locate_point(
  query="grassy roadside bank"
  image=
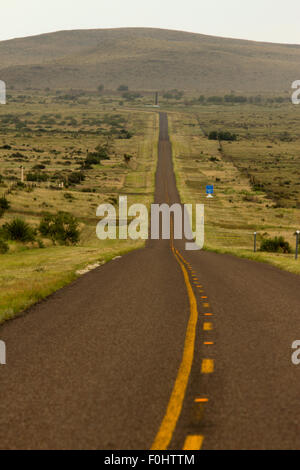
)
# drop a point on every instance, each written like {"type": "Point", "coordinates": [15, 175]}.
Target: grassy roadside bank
{"type": "Point", "coordinates": [31, 276]}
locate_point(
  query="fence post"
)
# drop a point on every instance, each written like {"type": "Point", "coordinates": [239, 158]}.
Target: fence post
{"type": "Point", "coordinates": [297, 244]}
{"type": "Point", "coordinates": [255, 234]}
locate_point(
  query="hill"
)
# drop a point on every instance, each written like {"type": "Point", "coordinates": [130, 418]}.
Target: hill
{"type": "Point", "coordinates": [147, 59]}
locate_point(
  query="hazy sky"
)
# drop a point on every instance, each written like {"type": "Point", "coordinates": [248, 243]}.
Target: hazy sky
{"type": "Point", "coordinates": [262, 20]}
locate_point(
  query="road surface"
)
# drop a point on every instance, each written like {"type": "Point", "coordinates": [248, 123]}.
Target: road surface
{"type": "Point", "coordinates": [159, 349]}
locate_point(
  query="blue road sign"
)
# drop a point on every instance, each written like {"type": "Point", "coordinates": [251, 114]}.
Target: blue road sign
{"type": "Point", "coordinates": [209, 189]}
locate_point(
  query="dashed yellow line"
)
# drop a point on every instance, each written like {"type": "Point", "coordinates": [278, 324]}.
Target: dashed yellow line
{"type": "Point", "coordinates": [193, 443]}
{"type": "Point", "coordinates": [168, 425]}
{"type": "Point", "coordinates": [207, 366]}
{"type": "Point", "coordinates": [207, 326]}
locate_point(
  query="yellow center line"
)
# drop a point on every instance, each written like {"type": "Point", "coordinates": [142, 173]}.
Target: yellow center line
{"type": "Point", "coordinates": [207, 366]}
{"type": "Point", "coordinates": [193, 443]}
{"type": "Point", "coordinates": [207, 326]}
{"type": "Point", "coordinates": [201, 400]}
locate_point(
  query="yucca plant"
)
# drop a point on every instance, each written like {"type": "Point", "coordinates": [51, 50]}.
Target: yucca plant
{"type": "Point", "coordinates": [18, 230]}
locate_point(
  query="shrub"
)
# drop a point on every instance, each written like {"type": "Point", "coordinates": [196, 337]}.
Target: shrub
{"type": "Point", "coordinates": [4, 204]}
{"type": "Point", "coordinates": [173, 94]}
{"type": "Point", "coordinates": [225, 135]}
{"type": "Point", "coordinates": [213, 135]}
{"type": "Point", "coordinates": [127, 158]}
{"type": "Point", "coordinates": [275, 245]}
{"type": "Point", "coordinates": [61, 227]}
{"type": "Point", "coordinates": [215, 99]}
{"type": "Point", "coordinates": [130, 96]}
{"type": "Point", "coordinates": [76, 177]}
{"type": "Point", "coordinates": [18, 230]}
{"type": "Point", "coordinates": [124, 134]}
{"type": "Point", "coordinates": [39, 166]}
{"type": "Point", "coordinates": [222, 135]}
{"type": "Point", "coordinates": [37, 177]}
{"type": "Point", "coordinates": [3, 247]}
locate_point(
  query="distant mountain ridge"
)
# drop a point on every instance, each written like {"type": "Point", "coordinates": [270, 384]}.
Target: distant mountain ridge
{"type": "Point", "coordinates": [147, 59]}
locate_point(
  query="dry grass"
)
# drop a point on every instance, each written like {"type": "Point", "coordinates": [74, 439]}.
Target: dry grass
{"type": "Point", "coordinates": [238, 209]}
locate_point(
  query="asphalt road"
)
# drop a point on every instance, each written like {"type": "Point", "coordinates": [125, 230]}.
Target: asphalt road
{"type": "Point", "coordinates": [136, 355]}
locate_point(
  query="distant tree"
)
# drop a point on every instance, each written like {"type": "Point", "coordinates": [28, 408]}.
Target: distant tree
{"type": "Point", "coordinates": [222, 135]}
{"type": "Point", "coordinates": [100, 88]}
{"type": "Point", "coordinates": [123, 88]}
{"type": "Point", "coordinates": [130, 96]}
{"type": "Point", "coordinates": [213, 135]}
{"type": "Point", "coordinates": [173, 94]}
{"type": "Point", "coordinates": [215, 99]}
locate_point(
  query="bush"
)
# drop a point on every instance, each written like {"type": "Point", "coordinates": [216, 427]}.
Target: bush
{"type": "Point", "coordinates": [124, 134]}
{"type": "Point", "coordinates": [275, 245]}
{"type": "Point", "coordinates": [4, 204]}
{"type": "Point", "coordinates": [37, 177]}
{"type": "Point", "coordinates": [18, 230]}
{"type": "Point", "coordinates": [213, 135]}
{"type": "Point", "coordinates": [3, 247]}
{"type": "Point", "coordinates": [76, 177]}
{"type": "Point", "coordinates": [215, 99]}
{"type": "Point", "coordinates": [123, 88]}
{"type": "Point", "coordinates": [39, 166]}
{"type": "Point", "coordinates": [61, 227]}
{"type": "Point", "coordinates": [130, 96]}
{"type": "Point", "coordinates": [173, 94]}
{"type": "Point", "coordinates": [222, 135]}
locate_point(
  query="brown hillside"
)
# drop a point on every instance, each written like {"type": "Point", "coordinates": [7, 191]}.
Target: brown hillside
{"type": "Point", "coordinates": [145, 58]}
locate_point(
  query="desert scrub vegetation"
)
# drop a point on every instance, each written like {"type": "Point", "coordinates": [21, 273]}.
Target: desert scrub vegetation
{"type": "Point", "coordinates": [275, 245]}
{"type": "Point", "coordinates": [18, 230]}
{"type": "Point", "coordinates": [255, 178]}
{"type": "Point", "coordinates": [61, 227]}
{"type": "Point", "coordinates": [222, 135]}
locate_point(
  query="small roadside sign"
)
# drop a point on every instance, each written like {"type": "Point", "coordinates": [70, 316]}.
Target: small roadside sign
{"type": "Point", "coordinates": [209, 190]}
